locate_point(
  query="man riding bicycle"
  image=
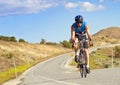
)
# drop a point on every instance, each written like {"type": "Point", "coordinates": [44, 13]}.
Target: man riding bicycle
{"type": "Point", "coordinates": [80, 27]}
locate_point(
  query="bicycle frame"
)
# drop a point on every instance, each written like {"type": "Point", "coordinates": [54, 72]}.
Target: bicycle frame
{"type": "Point", "coordinates": [82, 59]}
{"type": "Point", "coordinates": [82, 55]}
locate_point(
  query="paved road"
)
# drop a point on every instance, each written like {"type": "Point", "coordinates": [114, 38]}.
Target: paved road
{"type": "Point", "coordinates": [55, 72]}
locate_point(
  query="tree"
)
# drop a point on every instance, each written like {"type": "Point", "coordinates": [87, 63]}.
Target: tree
{"type": "Point", "coordinates": [66, 44]}
{"type": "Point", "coordinates": [117, 51]}
{"type": "Point", "coordinates": [6, 38]}
{"type": "Point", "coordinates": [43, 41]}
{"type": "Point", "coordinates": [21, 40]}
{"type": "Point", "coordinates": [51, 43]}
{"type": "Point", "coordinates": [13, 39]}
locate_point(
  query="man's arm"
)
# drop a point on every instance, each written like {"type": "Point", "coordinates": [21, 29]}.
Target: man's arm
{"type": "Point", "coordinates": [89, 35]}
{"type": "Point", "coordinates": [88, 32]}
{"type": "Point", "coordinates": [72, 34]}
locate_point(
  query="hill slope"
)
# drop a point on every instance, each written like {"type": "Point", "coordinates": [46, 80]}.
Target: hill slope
{"type": "Point", "coordinates": [108, 35]}
{"type": "Point", "coordinates": [24, 52]}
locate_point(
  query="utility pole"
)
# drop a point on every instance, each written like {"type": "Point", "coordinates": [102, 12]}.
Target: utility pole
{"type": "Point", "coordinates": [112, 58]}
{"type": "Point", "coordinates": [28, 62]}
{"type": "Point", "coordinates": [15, 67]}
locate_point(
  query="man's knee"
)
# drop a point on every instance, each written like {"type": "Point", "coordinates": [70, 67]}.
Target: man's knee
{"type": "Point", "coordinates": [86, 50]}
{"type": "Point", "coordinates": [75, 45]}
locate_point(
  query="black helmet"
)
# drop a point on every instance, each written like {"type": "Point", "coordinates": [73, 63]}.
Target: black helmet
{"type": "Point", "coordinates": [79, 19]}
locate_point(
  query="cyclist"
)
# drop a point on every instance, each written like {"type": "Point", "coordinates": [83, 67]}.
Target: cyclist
{"type": "Point", "coordinates": [82, 28]}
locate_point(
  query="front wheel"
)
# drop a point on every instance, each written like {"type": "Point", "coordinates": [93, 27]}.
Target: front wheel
{"type": "Point", "coordinates": [85, 73]}
{"type": "Point", "coordinates": [81, 70]}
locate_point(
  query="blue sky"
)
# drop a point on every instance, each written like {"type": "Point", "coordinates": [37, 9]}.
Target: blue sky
{"type": "Point", "coordinates": [51, 20]}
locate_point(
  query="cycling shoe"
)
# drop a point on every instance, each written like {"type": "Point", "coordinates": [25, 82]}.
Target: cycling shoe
{"type": "Point", "coordinates": [88, 70]}
{"type": "Point", "coordinates": [76, 58]}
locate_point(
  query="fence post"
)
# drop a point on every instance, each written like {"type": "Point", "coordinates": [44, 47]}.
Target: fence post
{"type": "Point", "coordinates": [15, 67]}
{"type": "Point", "coordinates": [112, 58]}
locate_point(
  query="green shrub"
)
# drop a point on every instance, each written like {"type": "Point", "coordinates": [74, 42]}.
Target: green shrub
{"type": "Point", "coordinates": [67, 44]}
{"type": "Point", "coordinates": [117, 51]}
{"type": "Point", "coordinates": [21, 40]}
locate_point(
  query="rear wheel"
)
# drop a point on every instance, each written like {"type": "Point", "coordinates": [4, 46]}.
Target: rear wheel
{"type": "Point", "coordinates": [85, 73]}
{"type": "Point", "coordinates": [81, 70]}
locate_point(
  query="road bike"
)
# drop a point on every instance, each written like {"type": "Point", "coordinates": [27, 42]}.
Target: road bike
{"type": "Point", "coordinates": [82, 63]}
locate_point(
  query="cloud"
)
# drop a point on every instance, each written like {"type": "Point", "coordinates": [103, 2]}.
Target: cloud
{"type": "Point", "coordinates": [71, 5]}
{"type": "Point", "coordinates": [89, 7]}
{"type": "Point", "coordinates": [10, 7]}
{"type": "Point", "coordinates": [16, 7]}
{"type": "Point", "coordinates": [101, 1]}
{"type": "Point", "coordinates": [84, 6]}
{"type": "Point", "coordinates": [116, 0]}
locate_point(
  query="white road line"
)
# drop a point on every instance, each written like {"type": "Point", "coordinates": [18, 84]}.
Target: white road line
{"type": "Point", "coordinates": [59, 81]}
{"type": "Point", "coordinates": [62, 82]}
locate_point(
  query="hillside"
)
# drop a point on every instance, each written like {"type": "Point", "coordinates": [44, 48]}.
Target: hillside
{"type": "Point", "coordinates": [108, 35]}
{"type": "Point", "coordinates": [24, 52]}
{"type": "Point", "coordinates": [25, 55]}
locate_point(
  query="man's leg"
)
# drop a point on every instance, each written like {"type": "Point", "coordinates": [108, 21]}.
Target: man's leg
{"type": "Point", "coordinates": [87, 56]}
{"type": "Point", "coordinates": [76, 49]}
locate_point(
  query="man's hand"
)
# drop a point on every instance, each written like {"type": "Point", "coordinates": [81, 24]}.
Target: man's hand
{"type": "Point", "coordinates": [90, 42]}
{"type": "Point", "coordinates": [72, 40]}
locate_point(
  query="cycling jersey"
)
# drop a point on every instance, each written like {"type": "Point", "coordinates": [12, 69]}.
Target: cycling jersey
{"type": "Point", "coordinates": [80, 32]}
{"type": "Point", "coordinates": [79, 29]}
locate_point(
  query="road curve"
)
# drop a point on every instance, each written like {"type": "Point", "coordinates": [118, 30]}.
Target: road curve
{"type": "Point", "coordinates": [54, 72]}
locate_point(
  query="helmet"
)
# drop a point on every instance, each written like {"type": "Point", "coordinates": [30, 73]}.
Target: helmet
{"type": "Point", "coordinates": [79, 19]}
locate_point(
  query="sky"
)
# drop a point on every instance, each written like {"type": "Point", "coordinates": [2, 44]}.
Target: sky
{"type": "Point", "coordinates": [33, 20]}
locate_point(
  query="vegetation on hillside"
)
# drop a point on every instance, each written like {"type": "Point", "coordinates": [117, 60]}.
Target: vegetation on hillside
{"type": "Point", "coordinates": [117, 51]}
{"type": "Point", "coordinates": [102, 58]}
{"type": "Point", "coordinates": [64, 43]}
{"type": "Point", "coordinates": [27, 54]}
{"type": "Point", "coordinates": [24, 55]}
{"type": "Point", "coordinates": [108, 35]}
{"type": "Point", "coordinates": [6, 38]}
{"type": "Point", "coordinates": [12, 39]}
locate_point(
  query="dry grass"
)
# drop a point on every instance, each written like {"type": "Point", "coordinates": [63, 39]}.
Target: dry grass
{"type": "Point", "coordinates": [25, 54]}
{"type": "Point", "coordinates": [102, 58]}
{"type": "Point", "coordinates": [108, 35]}
{"type": "Point", "coordinates": [24, 51]}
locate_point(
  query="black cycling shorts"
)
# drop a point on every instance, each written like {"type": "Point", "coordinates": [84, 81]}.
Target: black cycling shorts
{"type": "Point", "coordinates": [85, 44]}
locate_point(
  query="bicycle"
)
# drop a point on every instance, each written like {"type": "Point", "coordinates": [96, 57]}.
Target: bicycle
{"type": "Point", "coordinates": [82, 63]}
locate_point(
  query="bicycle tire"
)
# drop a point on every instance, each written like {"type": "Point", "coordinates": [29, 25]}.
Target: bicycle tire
{"type": "Point", "coordinates": [85, 73]}
{"type": "Point", "coordinates": [82, 61]}
{"type": "Point", "coordinates": [81, 70]}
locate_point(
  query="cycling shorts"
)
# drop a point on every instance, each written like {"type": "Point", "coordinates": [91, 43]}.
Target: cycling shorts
{"type": "Point", "coordinates": [85, 44]}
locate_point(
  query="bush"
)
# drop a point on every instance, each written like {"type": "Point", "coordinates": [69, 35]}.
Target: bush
{"type": "Point", "coordinates": [51, 43]}
{"type": "Point", "coordinates": [66, 44]}
{"type": "Point", "coordinates": [43, 41]}
{"type": "Point", "coordinates": [6, 38]}
{"type": "Point", "coordinates": [21, 40]}
{"type": "Point", "coordinates": [117, 51]}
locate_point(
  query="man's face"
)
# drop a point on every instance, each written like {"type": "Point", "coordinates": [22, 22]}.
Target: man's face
{"type": "Point", "coordinates": [79, 24]}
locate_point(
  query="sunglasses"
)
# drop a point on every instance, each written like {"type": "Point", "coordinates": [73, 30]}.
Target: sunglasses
{"type": "Point", "coordinates": [78, 22]}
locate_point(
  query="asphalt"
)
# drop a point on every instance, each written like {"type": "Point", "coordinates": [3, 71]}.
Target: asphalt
{"type": "Point", "coordinates": [56, 71]}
